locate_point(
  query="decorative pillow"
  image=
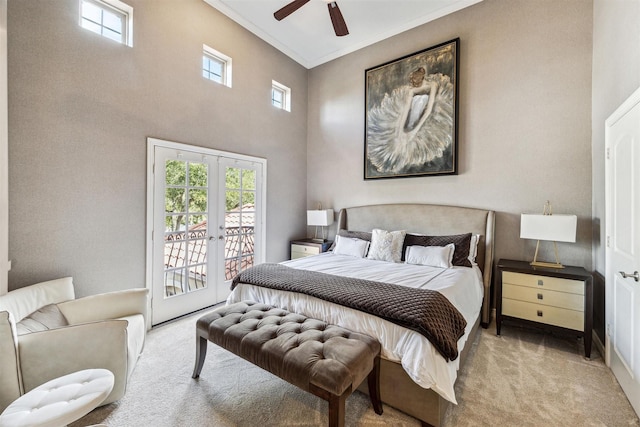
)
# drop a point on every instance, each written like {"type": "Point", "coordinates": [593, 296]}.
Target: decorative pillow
{"type": "Point", "coordinates": [433, 256]}
{"type": "Point", "coordinates": [47, 317]}
{"type": "Point", "coordinates": [386, 245]}
{"type": "Point", "coordinates": [462, 244]}
{"type": "Point", "coordinates": [473, 248]}
{"type": "Point", "coordinates": [362, 235]}
{"type": "Point", "coordinates": [351, 246]}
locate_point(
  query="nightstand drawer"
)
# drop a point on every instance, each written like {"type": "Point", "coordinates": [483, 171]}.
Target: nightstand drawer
{"type": "Point", "coordinates": [543, 297]}
{"type": "Point", "coordinates": [562, 317]}
{"type": "Point", "coordinates": [299, 251]}
{"type": "Point", "coordinates": [544, 282]}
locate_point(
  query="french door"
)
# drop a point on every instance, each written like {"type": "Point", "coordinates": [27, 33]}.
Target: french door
{"type": "Point", "coordinates": [205, 221]}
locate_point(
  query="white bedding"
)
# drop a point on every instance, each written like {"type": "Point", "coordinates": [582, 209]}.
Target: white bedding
{"type": "Point", "coordinates": [422, 362]}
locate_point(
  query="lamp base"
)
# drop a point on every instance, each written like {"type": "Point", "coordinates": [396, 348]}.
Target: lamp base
{"type": "Point", "coordinates": [546, 264]}
{"type": "Point", "coordinates": [536, 263]}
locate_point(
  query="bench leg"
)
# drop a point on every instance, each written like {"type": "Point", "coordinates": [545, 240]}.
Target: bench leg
{"type": "Point", "coordinates": [336, 408]}
{"type": "Point", "coordinates": [373, 381]}
{"type": "Point", "coordinates": [201, 353]}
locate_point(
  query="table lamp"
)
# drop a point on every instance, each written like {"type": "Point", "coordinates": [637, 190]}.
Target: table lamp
{"type": "Point", "coordinates": [548, 227]}
{"type": "Point", "coordinates": [320, 218]}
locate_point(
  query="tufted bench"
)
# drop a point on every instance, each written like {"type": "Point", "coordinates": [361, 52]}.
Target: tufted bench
{"type": "Point", "coordinates": [326, 360]}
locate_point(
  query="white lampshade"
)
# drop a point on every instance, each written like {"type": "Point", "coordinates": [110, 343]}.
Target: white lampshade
{"type": "Point", "coordinates": [556, 228]}
{"type": "Point", "coordinates": [320, 217]}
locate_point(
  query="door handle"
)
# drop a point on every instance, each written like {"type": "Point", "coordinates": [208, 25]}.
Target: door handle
{"type": "Point", "coordinates": [635, 275]}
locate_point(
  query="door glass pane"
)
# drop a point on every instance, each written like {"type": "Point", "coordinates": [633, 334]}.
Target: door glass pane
{"type": "Point", "coordinates": [176, 172]}
{"type": "Point", "coordinates": [231, 268]}
{"type": "Point", "coordinates": [249, 179]}
{"type": "Point", "coordinates": [197, 277]}
{"type": "Point", "coordinates": [198, 175]}
{"type": "Point", "coordinates": [174, 250]}
{"type": "Point", "coordinates": [247, 261]}
{"type": "Point", "coordinates": [174, 200]}
{"type": "Point", "coordinates": [249, 200]}
{"type": "Point", "coordinates": [173, 282]}
{"type": "Point", "coordinates": [232, 200]}
{"type": "Point", "coordinates": [233, 178]}
{"type": "Point", "coordinates": [174, 222]}
{"type": "Point", "coordinates": [197, 251]}
{"type": "Point", "coordinates": [198, 201]}
{"type": "Point", "coordinates": [186, 235]}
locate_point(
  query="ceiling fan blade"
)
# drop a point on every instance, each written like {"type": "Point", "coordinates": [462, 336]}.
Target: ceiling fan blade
{"type": "Point", "coordinates": [339, 26]}
{"type": "Point", "coordinates": [289, 9]}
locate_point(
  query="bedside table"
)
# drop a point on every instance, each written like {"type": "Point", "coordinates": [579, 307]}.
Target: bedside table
{"type": "Point", "coordinates": [552, 298]}
{"type": "Point", "coordinates": [307, 247]}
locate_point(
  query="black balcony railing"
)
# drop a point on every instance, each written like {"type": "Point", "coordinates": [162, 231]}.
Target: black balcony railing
{"type": "Point", "coordinates": [186, 270]}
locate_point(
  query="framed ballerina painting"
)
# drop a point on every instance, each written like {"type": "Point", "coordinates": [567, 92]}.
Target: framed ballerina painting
{"type": "Point", "coordinates": [411, 123]}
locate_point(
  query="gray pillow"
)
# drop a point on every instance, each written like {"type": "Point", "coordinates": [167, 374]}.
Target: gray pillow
{"type": "Point", "coordinates": [47, 317]}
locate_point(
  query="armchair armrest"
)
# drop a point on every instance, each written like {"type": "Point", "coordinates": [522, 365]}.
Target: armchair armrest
{"type": "Point", "coordinates": [9, 372]}
{"type": "Point", "coordinates": [56, 352]}
{"type": "Point", "coordinates": [111, 305]}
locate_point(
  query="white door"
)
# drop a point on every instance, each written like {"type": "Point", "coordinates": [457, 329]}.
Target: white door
{"type": "Point", "coordinates": [205, 224]}
{"type": "Point", "coordinates": [622, 175]}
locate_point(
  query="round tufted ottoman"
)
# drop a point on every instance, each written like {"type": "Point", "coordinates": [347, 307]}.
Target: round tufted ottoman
{"type": "Point", "coordinates": [326, 360]}
{"type": "Point", "coordinates": [60, 401]}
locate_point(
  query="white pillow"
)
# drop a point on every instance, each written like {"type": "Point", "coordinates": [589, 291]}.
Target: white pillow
{"type": "Point", "coordinates": [351, 246]}
{"type": "Point", "coordinates": [386, 245]}
{"type": "Point", "coordinates": [433, 256]}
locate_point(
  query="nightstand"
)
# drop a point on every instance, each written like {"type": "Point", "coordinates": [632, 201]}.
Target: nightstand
{"type": "Point", "coordinates": [307, 247]}
{"type": "Point", "coordinates": [559, 299]}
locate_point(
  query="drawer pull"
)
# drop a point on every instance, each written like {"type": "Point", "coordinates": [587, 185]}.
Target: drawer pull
{"type": "Point", "coordinates": [540, 282]}
{"type": "Point", "coordinates": [539, 313]}
{"type": "Point", "coordinates": [540, 296]}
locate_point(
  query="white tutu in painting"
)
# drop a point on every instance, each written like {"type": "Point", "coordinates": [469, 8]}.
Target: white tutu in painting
{"type": "Point", "coordinates": [412, 126]}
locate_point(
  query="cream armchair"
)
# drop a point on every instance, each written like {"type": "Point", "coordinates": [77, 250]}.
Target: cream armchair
{"type": "Point", "coordinates": [46, 333]}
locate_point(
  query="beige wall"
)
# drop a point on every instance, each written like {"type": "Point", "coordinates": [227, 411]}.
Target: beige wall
{"type": "Point", "coordinates": [80, 112]}
{"type": "Point", "coordinates": [616, 74]}
{"type": "Point", "coordinates": [81, 108]}
{"type": "Point", "coordinates": [525, 119]}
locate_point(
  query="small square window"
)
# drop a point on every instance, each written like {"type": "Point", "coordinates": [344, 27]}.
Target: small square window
{"type": "Point", "coordinates": [280, 96]}
{"type": "Point", "coordinates": [109, 18]}
{"type": "Point", "coordinates": [216, 66]}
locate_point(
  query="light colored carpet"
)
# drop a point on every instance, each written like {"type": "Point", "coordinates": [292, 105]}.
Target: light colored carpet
{"type": "Point", "coordinates": [522, 378]}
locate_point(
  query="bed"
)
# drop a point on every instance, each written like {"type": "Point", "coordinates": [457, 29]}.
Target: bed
{"type": "Point", "coordinates": [421, 386]}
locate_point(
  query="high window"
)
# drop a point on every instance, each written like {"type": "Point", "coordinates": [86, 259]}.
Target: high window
{"type": "Point", "coordinates": [109, 18]}
{"type": "Point", "coordinates": [216, 66]}
{"type": "Point", "coordinates": [280, 96]}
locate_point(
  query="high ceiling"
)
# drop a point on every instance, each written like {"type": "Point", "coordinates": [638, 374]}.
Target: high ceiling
{"type": "Point", "coordinates": [307, 35]}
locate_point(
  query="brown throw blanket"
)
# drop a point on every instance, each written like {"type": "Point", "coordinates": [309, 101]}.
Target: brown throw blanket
{"type": "Point", "coordinates": [422, 310]}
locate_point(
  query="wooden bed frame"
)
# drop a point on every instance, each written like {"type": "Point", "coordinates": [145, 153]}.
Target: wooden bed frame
{"type": "Point", "coordinates": [397, 389]}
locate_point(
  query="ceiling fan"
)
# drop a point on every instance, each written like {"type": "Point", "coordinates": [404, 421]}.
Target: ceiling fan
{"type": "Point", "coordinates": [339, 26]}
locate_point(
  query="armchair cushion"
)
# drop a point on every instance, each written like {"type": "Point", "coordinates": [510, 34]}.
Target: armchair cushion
{"type": "Point", "coordinates": [47, 317]}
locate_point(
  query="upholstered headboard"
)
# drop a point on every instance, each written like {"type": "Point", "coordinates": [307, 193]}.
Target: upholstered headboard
{"type": "Point", "coordinates": [434, 220]}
